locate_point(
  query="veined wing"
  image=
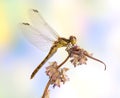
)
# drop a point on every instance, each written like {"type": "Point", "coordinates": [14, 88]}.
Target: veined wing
{"type": "Point", "coordinates": [39, 33]}
{"type": "Point", "coordinates": [34, 36]}
{"type": "Point", "coordinates": [39, 22]}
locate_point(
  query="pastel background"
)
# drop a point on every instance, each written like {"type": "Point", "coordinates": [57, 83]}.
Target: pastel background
{"type": "Point", "coordinates": [96, 23]}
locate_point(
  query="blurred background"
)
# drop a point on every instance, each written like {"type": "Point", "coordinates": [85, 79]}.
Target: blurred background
{"type": "Point", "coordinates": [96, 23]}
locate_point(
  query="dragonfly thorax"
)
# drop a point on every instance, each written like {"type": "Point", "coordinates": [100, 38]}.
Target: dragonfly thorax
{"type": "Point", "coordinates": [63, 42]}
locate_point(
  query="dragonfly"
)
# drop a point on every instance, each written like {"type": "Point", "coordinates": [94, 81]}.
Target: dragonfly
{"type": "Point", "coordinates": [39, 33]}
{"type": "Point", "coordinates": [43, 36]}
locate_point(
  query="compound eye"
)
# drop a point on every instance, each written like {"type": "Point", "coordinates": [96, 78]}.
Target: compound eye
{"type": "Point", "coordinates": [73, 40]}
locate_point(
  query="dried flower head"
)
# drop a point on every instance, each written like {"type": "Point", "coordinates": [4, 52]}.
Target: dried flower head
{"type": "Point", "coordinates": [79, 55]}
{"type": "Point", "coordinates": [56, 75]}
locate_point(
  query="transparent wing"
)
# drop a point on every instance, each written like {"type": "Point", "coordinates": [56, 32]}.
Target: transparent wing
{"type": "Point", "coordinates": [39, 33]}
{"type": "Point", "coordinates": [34, 36]}
{"type": "Point", "coordinates": [38, 22]}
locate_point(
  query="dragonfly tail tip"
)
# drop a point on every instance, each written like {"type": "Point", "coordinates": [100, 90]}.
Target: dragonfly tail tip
{"type": "Point", "coordinates": [31, 77]}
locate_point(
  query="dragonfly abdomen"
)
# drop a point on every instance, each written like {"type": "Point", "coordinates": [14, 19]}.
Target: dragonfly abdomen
{"type": "Point", "coordinates": [50, 54]}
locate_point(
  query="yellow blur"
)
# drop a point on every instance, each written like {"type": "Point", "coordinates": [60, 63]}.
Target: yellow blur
{"type": "Point", "coordinates": [5, 35]}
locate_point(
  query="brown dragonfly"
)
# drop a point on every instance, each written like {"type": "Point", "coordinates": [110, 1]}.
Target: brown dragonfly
{"type": "Point", "coordinates": [40, 34]}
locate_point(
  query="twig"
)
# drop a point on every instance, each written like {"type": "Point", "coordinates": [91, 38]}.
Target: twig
{"type": "Point", "coordinates": [46, 88]}
{"type": "Point", "coordinates": [96, 60]}
{"type": "Point", "coordinates": [64, 61]}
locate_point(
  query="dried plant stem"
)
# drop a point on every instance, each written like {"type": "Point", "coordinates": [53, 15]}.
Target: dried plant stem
{"type": "Point", "coordinates": [64, 61]}
{"type": "Point", "coordinates": [46, 88]}
{"type": "Point", "coordinates": [96, 60]}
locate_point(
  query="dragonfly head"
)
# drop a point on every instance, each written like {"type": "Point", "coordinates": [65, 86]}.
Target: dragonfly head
{"type": "Point", "coordinates": [72, 40]}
